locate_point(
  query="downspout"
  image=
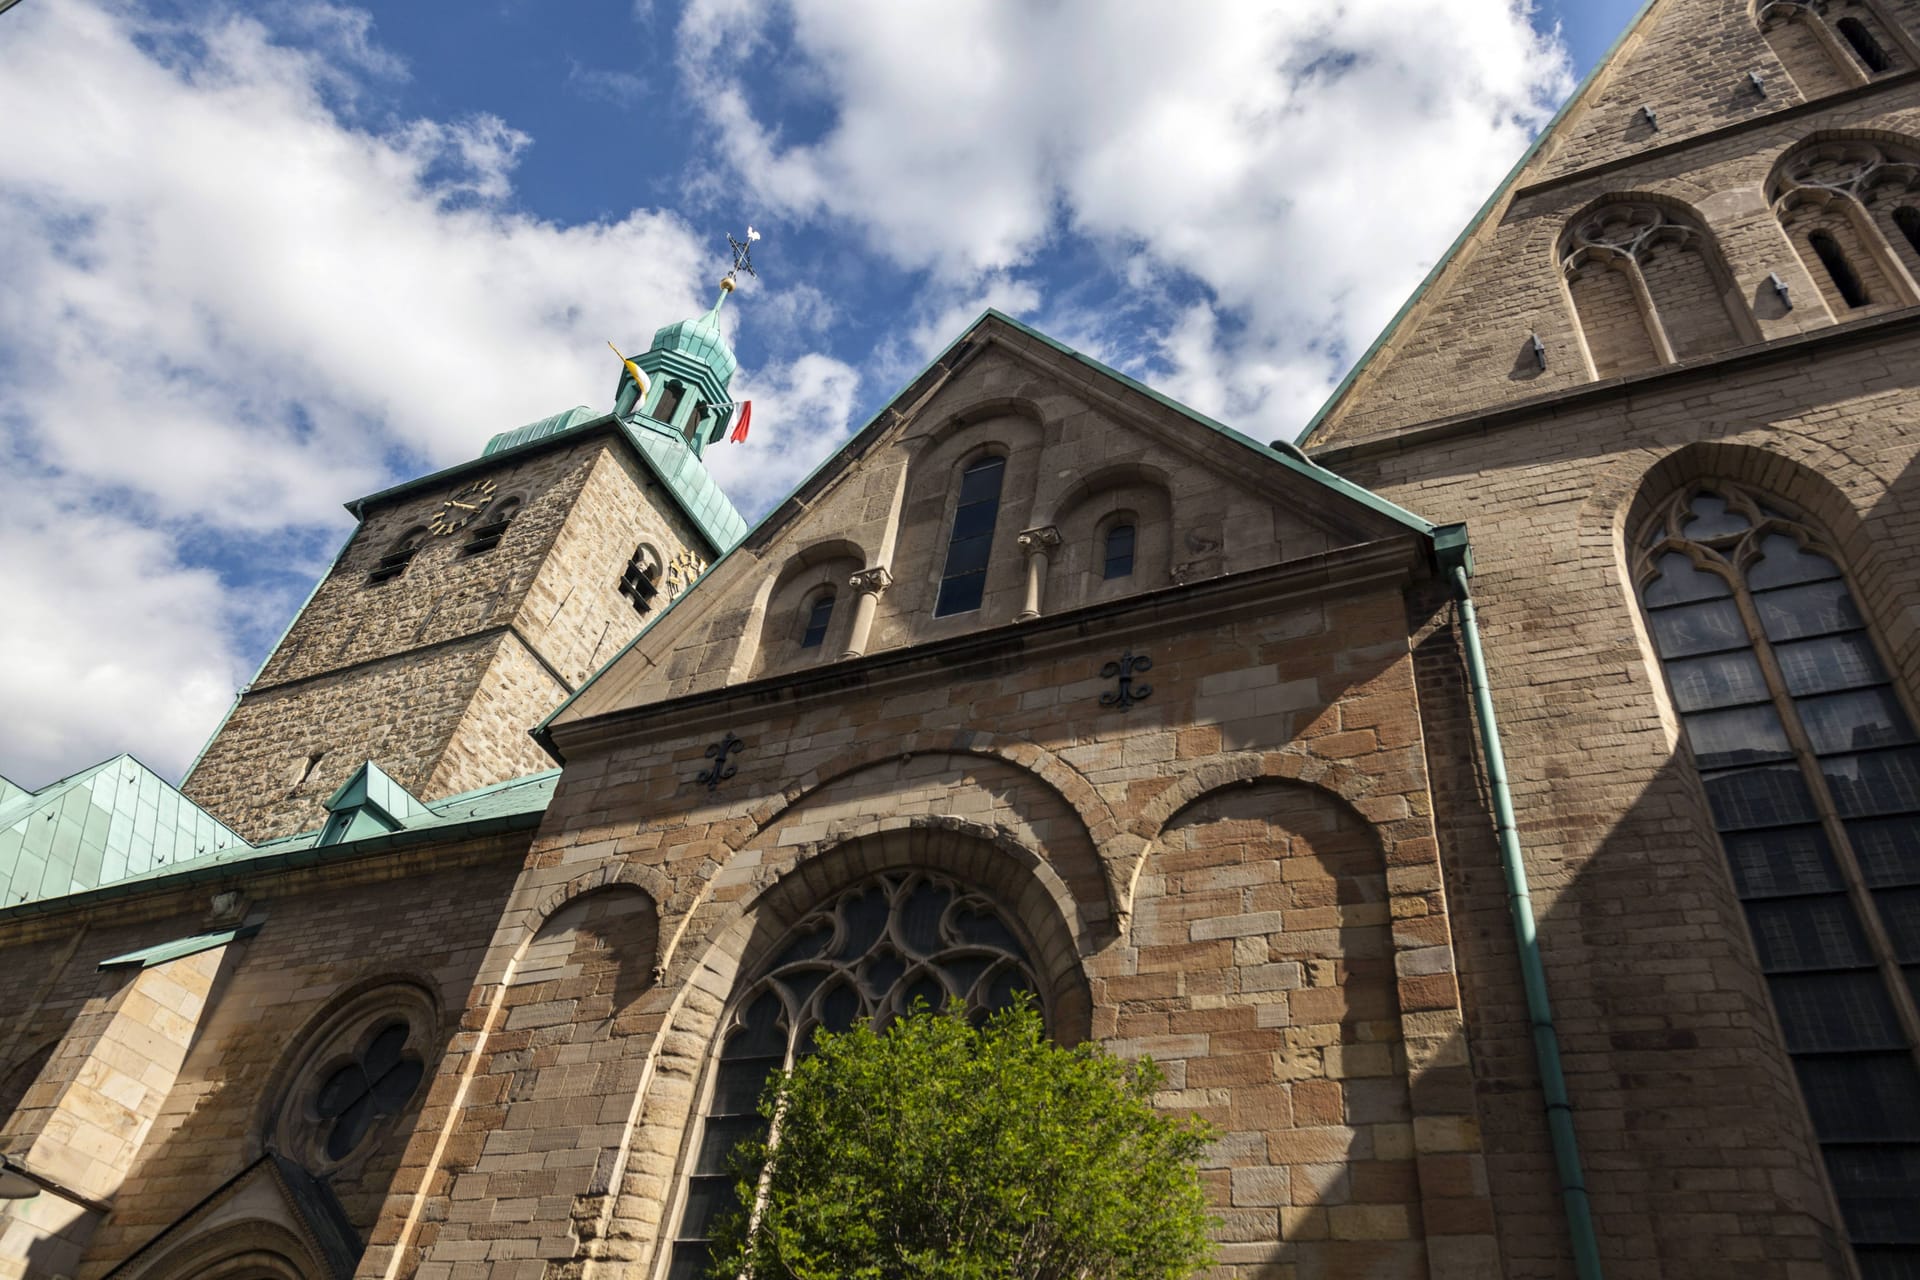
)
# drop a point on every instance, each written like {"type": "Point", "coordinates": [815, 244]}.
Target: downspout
{"type": "Point", "coordinates": [1456, 560]}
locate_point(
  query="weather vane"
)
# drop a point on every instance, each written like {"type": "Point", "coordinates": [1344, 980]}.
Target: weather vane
{"type": "Point", "coordinates": [742, 257]}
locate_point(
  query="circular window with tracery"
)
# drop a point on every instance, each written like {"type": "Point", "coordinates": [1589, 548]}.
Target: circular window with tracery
{"type": "Point", "coordinates": [362, 1072]}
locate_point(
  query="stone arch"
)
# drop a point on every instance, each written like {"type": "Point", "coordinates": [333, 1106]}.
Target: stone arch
{"type": "Point", "coordinates": [1806, 46]}
{"type": "Point", "coordinates": [1341, 782]}
{"type": "Point", "coordinates": [779, 607]}
{"type": "Point", "coordinates": [1010, 426]}
{"type": "Point", "coordinates": [1095, 815]}
{"type": "Point", "coordinates": [1080, 512]}
{"type": "Point", "coordinates": [1648, 284]}
{"type": "Point", "coordinates": [648, 880]}
{"type": "Point", "coordinates": [395, 988]}
{"type": "Point", "coordinates": [1844, 186]}
{"type": "Point", "coordinates": [737, 934]}
{"type": "Point", "coordinates": [253, 1249]}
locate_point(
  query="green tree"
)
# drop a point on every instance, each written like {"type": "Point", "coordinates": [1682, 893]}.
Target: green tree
{"type": "Point", "coordinates": [944, 1151]}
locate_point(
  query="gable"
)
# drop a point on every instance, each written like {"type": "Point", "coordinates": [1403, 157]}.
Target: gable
{"type": "Point", "coordinates": [1464, 340]}
{"type": "Point", "coordinates": [1080, 450]}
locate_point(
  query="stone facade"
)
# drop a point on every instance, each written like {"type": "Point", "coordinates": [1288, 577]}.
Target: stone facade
{"type": "Point", "coordinates": [1217, 783]}
{"type": "Point", "coordinates": [439, 672]}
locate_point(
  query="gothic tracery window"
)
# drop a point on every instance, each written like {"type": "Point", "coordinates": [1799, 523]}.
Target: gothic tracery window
{"type": "Point", "coordinates": [1812, 773]}
{"type": "Point", "coordinates": [1648, 287]}
{"type": "Point", "coordinates": [869, 954]}
{"type": "Point", "coordinates": [1846, 204]}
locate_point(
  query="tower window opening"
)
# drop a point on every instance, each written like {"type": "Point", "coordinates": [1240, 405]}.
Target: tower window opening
{"type": "Point", "coordinates": [640, 581]}
{"type": "Point", "coordinates": [669, 402]}
{"type": "Point", "coordinates": [1856, 34]}
{"type": "Point", "coordinates": [963, 582]}
{"type": "Point", "coordinates": [1839, 270]}
{"type": "Point", "coordinates": [305, 771]}
{"type": "Point", "coordinates": [692, 433]}
{"type": "Point", "coordinates": [486, 536]}
{"type": "Point", "coordinates": [1907, 218]}
{"type": "Point", "coordinates": [1119, 562]}
{"type": "Point", "coordinates": [817, 619]}
{"type": "Point", "coordinates": [395, 562]}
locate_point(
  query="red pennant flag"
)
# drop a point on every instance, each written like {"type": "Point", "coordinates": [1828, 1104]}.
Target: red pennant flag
{"type": "Point", "coordinates": [740, 423]}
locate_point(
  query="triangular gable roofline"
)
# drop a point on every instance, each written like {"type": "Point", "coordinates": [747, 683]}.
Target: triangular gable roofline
{"type": "Point", "coordinates": [922, 385]}
{"type": "Point", "coordinates": [1492, 205]}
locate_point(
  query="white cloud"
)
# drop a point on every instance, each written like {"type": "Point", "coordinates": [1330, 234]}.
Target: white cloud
{"type": "Point", "coordinates": [230, 305]}
{"type": "Point", "coordinates": [1305, 163]}
{"type": "Point", "coordinates": [801, 410]}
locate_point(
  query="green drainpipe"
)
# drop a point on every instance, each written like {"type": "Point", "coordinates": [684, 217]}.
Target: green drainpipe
{"type": "Point", "coordinates": [1456, 559]}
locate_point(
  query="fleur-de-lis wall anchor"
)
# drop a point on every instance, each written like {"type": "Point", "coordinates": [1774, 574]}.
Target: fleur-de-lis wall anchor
{"type": "Point", "coordinates": [722, 768]}
{"type": "Point", "coordinates": [1128, 692]}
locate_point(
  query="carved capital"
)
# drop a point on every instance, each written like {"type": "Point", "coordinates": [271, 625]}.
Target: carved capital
{"type": "Point", "coordinates": [871, 581]}
{"type": "Point", "coordinates": [1043, 539]}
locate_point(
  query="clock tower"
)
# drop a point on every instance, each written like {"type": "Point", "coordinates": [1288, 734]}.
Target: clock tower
{"type": "Point", "coordinates": [469, 603]}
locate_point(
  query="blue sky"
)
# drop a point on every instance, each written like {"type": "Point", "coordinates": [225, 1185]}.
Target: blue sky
{"type": "Point", "coordinates": [279, 255]}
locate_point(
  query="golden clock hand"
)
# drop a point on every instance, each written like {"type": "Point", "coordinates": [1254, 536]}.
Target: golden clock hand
{"type": "Point", "coordinates": [468, 506]}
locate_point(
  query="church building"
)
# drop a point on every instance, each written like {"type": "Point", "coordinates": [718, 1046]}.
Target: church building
{"type": "Point", "coordinates": [1497, 810]}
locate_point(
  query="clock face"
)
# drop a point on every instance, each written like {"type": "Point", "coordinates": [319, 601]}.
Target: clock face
{"type": "Point", "coordinates": [681, 571]}
{"type": "Point", "coordinates": [461, 507]}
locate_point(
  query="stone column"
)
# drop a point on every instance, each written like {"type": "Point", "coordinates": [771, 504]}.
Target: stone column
{"type": "Point", "coordinates": [1037, 544]}
{"type": "Point", "coordinates": [867, 585]}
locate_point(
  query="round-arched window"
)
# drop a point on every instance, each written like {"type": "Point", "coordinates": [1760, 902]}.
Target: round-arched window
{"type": "Point", "coordinates": [873, 952]}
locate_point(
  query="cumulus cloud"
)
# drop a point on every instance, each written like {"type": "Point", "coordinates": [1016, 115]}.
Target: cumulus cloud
{"type": "Point", "coordinates": [232, 304]}
{"type": "Point", "coordinates": [1303, 163]}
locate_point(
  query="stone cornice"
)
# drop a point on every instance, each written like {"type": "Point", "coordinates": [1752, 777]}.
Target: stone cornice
{"type": "Point", "coordinates": [1388, 562]}
{"type": "Point", "coordinates": [1666, 379]}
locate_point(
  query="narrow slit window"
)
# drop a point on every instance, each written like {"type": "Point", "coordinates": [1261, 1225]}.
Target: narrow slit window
{"type": "Point", "coordinates": [486, 536]}
{"type": "Point", "coordinates": [1856, 34]}
{"type": "Point", "coordinates": [817, 619]}
{"type": "Point", "coordinates": [669, 402]}
{"type": "Point", "coordinates": [1807, 754]}
{"type": "Point", "coordinates": [640, 581]}
{"type": "Point", "coordinates": [963, 582]}
{"type": "Point", "coordinates": [1839, 270]}
{"type": "Point", "coordinates": [1907, 218]}
{"type": "Point", "coordinates": [395, 562]}
{"type": "Point", "coordinates": [1119, 547]}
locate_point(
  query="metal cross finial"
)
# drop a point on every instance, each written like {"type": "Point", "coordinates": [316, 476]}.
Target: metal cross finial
{"type": "Point", "coordinates": [743, 252]}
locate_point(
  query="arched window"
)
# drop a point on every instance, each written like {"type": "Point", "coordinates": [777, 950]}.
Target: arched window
{"type": "Point", "coordinates": [1649, 287]}
{"type": "Point", "coordinates": [1864, 45]}
{"type": "Point", "coordinates": [694, 414]}
{"type": "Point", "coordinates": [640, 581]}
{"type": "Point", "coordinates": [819, 614]}
{"type": "Point", "coordinates": [1119, 552]}
{"type": "Point", "coordinates": [1907, 218]}
{"type": "Point", "coordinates": [869, 954]}
{"type": "Point", "coordinates": [486, 535]}
{"type": "Point", "coordinates": [1812, 774]}
{"type": "Point", "coordinates": [395, 562]}
{"type": "Point", "coordinates": [1834, 259]}
{"type": "Point", "coordinates": [963, 582]}
{"type": "Point", "coordinates": [669, 402]}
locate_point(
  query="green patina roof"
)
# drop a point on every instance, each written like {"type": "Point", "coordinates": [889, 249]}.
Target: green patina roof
{"type": "Point", "coordinates": [559, 422]}
{"type": "Point", "coordinates": [179, 948]}
{"type": "Point", "coordinates": [120, 827]}
{"type": "Point", "coordinates": [370, 804]}
{"type": "Point", "coordinates": [112, 822]}
{"type": "Point", "coordinates": [676, 466]}
{"type": "Point", "coordinates": [699, 338]}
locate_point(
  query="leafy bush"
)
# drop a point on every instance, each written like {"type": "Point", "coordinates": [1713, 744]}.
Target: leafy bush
{"type": "Point", "coordinates": [942, 1151]}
